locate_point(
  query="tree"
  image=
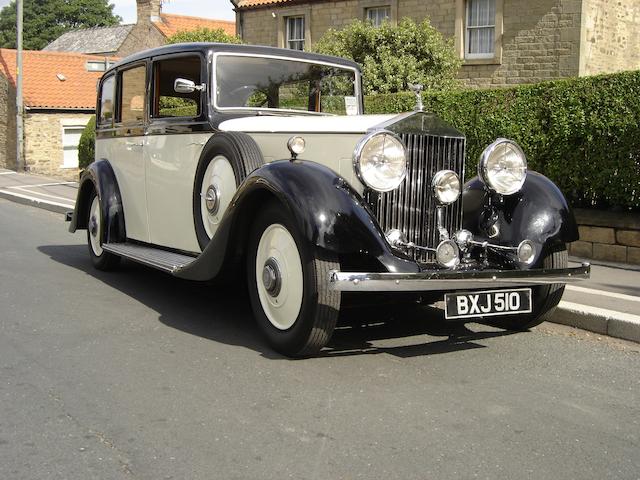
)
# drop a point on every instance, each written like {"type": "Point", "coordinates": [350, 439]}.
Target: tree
{"type": "Point", "coordinates": [391, 56]}
{"type": "Point", "coordinates": [46, 20]}
{"type": "Point", "coordinates": [217, 35]}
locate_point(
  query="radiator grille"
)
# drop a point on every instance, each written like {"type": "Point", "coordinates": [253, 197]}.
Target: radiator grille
{"type": "Point", "coordinates": [411, 208]}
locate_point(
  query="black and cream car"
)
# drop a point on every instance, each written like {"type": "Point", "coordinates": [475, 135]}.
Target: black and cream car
{"type": "Point", "coordinates": [216, 160]}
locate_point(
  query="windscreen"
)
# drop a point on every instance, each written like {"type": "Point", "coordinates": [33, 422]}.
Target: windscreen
{"type": "Point", "coordinates": [269, 83]}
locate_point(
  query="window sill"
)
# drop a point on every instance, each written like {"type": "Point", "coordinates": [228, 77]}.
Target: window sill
{"type": "Point", "coordinates": [481, 61]}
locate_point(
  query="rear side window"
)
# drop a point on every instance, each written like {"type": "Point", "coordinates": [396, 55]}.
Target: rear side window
{"type": "Point", "coordinates": [166, 101]}
{"type": "Point", "coordinates": [106, 100]}
{"type": "Point", "coordinates": [132, 88]}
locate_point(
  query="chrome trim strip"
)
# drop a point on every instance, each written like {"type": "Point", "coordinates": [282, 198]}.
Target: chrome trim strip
{"type": "Point", "coordinates": [447, 280]}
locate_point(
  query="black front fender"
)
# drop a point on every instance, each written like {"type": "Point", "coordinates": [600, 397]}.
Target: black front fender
{"type": "Point", "coordinates": [100, 177]}
{"type": "Point", "coordinates": [538, 212]}
{"type": "Point", "coordinates": [327, 210]}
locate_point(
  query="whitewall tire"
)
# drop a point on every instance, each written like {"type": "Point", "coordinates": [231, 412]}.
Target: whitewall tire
{"type": "Point", "coordinates": [95, 235]}
{"type": "Point", "coordinates": [288, 285]}
{"type": "Point", "coordinates": [216, 192]}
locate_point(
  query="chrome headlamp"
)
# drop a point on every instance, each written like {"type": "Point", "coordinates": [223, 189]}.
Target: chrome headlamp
{"type": "Point", "coordinates": [503, 167]}
{"type": "Point", "coordinates": [380, 161]}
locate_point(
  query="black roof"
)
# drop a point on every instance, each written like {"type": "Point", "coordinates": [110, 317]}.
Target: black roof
{"type": "Point", "coordinates": [206, 47]}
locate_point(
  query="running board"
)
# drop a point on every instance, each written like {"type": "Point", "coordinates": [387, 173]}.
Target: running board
{"type": "Point", "coordinates": [153, 257]}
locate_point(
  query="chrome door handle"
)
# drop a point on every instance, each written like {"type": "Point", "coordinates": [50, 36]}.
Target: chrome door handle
{"type": "Point", "coordinates": [134, 144]}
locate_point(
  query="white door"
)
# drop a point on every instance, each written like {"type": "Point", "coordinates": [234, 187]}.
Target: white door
{"type": "Point", "coordinates": [126, 154]}
{"type": "Point", "coordinates": [174, 141]}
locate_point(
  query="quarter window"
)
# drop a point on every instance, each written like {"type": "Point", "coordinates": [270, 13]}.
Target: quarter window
{"type": "Point", "coordinates": [378, 15]}
{"type": "Point", "coordinates": [295, 33]}
{"type": "Point", "coordinates": [166, 101]}
{"type": "Point", "coordinates": [133, 82]}
{"type": "Point", "coordinates": [480, 29]}
{"type": "Point", "coordinates": [106, 100]}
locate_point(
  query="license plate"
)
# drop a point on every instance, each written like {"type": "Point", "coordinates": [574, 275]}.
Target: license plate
{"type": "Point", "coordinates": [487, 303]}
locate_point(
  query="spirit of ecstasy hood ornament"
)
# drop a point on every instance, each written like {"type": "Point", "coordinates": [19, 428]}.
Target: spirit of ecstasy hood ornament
{"type": "Point", "coordinates": [416, 88]}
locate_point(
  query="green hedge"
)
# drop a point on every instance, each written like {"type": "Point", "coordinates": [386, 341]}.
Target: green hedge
{"type": "Point", "coordinates": [583, 133]}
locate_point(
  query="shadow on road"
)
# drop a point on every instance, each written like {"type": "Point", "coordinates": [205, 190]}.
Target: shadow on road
{"type": "Point", "coordinates": [223, 314]}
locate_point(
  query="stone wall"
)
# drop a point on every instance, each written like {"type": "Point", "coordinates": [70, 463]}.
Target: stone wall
{"type": "Point", "coordinates": [540, 40]}
{"type": "Point", "coordinates": [43, 143]}
{"type": "Point", "coordinates": [611, 36]}
{"type": "Point", "coordinates": [260, 27]}
{"type": "Point", "coordinates": [609, 236]}
{"type": "Point", "coordinates": [7, 124]}
{"type": "Point", "coordinates": [143, 35]}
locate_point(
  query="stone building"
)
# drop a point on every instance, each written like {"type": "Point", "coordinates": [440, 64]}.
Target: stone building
{"type": "Point", "coordinates": [150, 30]}
{"type": "Point", "coordinates": [501, 42]}
{"type": "Point", "coordinates": [59, 98]}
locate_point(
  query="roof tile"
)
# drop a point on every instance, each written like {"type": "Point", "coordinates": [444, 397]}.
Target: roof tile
{"type": "Point", "coordinates": [91, 40]}
{"type": "Point", "coordinates": [242, 4]}
{"type": "Point", "coordinates": [171, 24]}
{"type": "Point", "coordinates": [41, 86]}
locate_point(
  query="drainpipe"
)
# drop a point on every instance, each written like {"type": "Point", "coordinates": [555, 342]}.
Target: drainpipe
{"type": "Point", "coordinates": [20, 165]}
{"type": "Point", "coordinates": [239, 22]}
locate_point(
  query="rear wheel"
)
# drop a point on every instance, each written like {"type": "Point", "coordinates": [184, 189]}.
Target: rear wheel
{"type": "Point", "coordinates": [545, 298]}
{"type": "Point", "coordinates": [288, 285]}
{"type": "Point", "coordinates": [101, 259]}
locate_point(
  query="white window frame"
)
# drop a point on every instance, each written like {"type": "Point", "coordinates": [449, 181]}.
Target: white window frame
{"type": "Point", "coordinates": [378, 19]}
{"type": "Point", "coordinates": [69, 123]}
{"type": "Point", "coordinates": [467, 28]}
{"type": "Point", "coordinates": [288, 39]}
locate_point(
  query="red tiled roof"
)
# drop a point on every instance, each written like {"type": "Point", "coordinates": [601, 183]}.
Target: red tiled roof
{"type": "Point", "coordinates": [172, 24]}
{"type": "Point", "coordinates": [242, 4]}
{"type": "Point", "coordinates": [41, 86]}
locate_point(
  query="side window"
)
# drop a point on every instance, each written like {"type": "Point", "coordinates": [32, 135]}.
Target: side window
{"type": "Point", "coordinates": [132, 88]}
{"type": "Point", "coordinates": [106, 101]}
{"type": "Point", "coordinates": [166, 101]}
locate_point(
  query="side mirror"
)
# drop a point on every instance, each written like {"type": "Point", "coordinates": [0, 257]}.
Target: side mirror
{"type": "Point", "coordinates": [182, 85]}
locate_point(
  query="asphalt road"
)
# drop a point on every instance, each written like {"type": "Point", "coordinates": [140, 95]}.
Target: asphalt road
{"type": "Point", "coordinates": [135, 374]}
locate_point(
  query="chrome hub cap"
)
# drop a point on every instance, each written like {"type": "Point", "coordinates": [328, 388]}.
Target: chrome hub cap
{"type": "Point", "coordinates": [271, 278]}
{"type": "Point", "coordinates": [93, 226]}
{"type": "Point", "coordinates": [211, 199]}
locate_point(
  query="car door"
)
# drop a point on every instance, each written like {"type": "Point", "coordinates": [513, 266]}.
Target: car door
{"type": "Point", "coordinates": [126, 154]}
{"type": "Point", "coordinates": [177, 131]}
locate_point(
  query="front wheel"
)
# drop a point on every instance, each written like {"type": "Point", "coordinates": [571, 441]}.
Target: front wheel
{"type": "Point", "coordinates": [545, 298]}
{"type": "Point", "coordinates": [101, 259]}
{"type": "Point", "coordinates": [288, 285]}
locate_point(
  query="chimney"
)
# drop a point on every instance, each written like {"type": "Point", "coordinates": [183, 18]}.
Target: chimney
{"type": "Point", "coordinates": [148, 10]}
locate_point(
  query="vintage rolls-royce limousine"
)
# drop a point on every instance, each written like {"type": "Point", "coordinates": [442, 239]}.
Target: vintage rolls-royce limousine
{"type": "Point", "coordinates": [216, 159]}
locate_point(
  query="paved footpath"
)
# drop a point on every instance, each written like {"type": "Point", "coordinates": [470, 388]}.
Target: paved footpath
{"type": "Point", "coordinates": [607, 304]}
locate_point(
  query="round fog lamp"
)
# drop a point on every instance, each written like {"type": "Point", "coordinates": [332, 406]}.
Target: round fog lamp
{"type": "Point", "coordinates": [296, 145]}
{"type": "Point", "coordinates": [526, 252]}
{"type": "Point", "coordinates": [396, 238]}
{"type": "Point", "coordinates": [446, 186]}
{"type": "Point", "coordinates": [448, 254]}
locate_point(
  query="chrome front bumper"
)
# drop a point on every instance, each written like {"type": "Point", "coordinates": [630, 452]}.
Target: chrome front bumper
{"type": "Point", "coordinates": [447, 280]}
